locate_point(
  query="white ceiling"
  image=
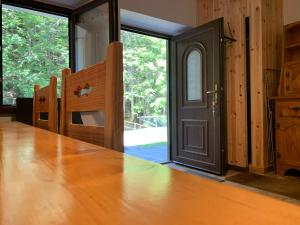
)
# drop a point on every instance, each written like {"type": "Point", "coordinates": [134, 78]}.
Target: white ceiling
{"type": "Point", "coordinates": [150, 23]}
{"type": "Point", "coordinates": [131, 18]}
{"type": "Point", "coordinates": [71, 4]}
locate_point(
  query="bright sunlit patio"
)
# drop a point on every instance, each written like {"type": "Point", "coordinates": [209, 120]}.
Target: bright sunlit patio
{"type": "Point", "coordinates": [147, 143]}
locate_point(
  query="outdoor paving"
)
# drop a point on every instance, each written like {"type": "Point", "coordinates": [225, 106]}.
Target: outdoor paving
{"type": "Point", "coordinates": [148, 143]}
{"type": "Point", "coordinates": [157, 153]}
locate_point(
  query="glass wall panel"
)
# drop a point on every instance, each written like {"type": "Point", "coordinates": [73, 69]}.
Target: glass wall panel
{"type": "Point", "coordinates": [91, 36]}
{"type": "Point", "coordinates": [35, 46]}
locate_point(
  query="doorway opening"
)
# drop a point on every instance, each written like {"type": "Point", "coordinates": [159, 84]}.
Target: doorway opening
{"type": "Point", "coordinates": [145, 96]}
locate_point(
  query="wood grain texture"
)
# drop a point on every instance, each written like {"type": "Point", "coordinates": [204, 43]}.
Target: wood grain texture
{"type": "Point", "coordinates": [106, 82]}
{"type": "Point", "coordinates": [287, 134]}
{"type": "Point", "coordinates": [48, 178]}
{"type": "Point", "coordinates": [257, 86]}
{"type": "Point", "coordinates": [272, 31]}
{"type": "Point", "coordinates": [287, 104]}
{"type": "Point", "coordinates": [42, 94]}
{"type": "Point", "coordinates": [64, 118]}
{"type": "Point", "coordinates": [53, 111]}
{"type": "Point", "coordinates": [45, 101]}
{"type": "Point", "coordinates": [42, 124]}
{"type": "Point", "coordinates": [290, 71]}
{"type": "Point", "coordinates": [114, 112]}
{"type": "Point", "coordinates": [234, 13]}
{"type": "Point", "coordinates": [89, 134]}
{"type": "Point", "coordinates": [265, 45]}
{"type": "Point", "coordinates": [35, 116]}
{"type": "Point", "coordinates": [95, 77]}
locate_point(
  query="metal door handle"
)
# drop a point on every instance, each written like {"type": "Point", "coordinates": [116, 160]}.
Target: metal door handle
{"type": "Point", "coordinates": [215, 93]}
{"type": "Point", "coordinates": [211, 92]}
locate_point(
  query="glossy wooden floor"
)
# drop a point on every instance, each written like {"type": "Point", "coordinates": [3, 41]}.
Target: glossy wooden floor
{"type": "Point", "coordinates": [46, 178]}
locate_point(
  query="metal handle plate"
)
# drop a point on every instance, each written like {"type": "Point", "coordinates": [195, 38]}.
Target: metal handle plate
{"type": "Point", "coordinates": [215, 93]}
{"type": "Point", "coordinates": [211, 92]}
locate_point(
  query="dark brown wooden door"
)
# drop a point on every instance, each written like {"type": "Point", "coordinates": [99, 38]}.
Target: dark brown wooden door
{"type": "Point", "coordinates": [198, 112]}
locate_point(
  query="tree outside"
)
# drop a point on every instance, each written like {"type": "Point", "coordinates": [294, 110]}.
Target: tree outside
{"type": "Point", "coordinates": [145, 77]}
{"type": "Point", "coordinates": [35, 46]}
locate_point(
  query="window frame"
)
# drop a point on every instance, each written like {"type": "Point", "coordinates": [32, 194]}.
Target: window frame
{"type": "Point", "coordinates": [39, 7]}
{"type": "Point", "coordinates": [114, 34]}
{"type": "Point", "coordinates": [83, 9]}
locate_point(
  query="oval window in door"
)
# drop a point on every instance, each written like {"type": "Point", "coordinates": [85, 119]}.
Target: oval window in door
{"type": "Point", "coordinates": [194, 76]}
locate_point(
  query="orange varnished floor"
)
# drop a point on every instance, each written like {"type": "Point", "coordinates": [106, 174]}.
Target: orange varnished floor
{"type": "Point", "coordinates": [46, 178]}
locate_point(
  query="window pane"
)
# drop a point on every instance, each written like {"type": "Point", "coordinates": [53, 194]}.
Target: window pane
{"type": "Point", "coordinates": [194, 76]}
{"type": "Point", "coordinates": [35, 46]}
{"type": "Point", "coordinates": [92, 36]}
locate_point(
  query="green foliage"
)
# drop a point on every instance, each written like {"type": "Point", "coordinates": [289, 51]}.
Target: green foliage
{"type": "Point", "coordinates": [34, 48]}
{"type": "Point", "coordinates": [145, 75]}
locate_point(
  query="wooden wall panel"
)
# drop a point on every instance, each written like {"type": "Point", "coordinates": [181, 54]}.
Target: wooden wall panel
{"type": "Point", "coordinates": [272, 49]}
{"type": "Point", "coordinates": [234, 13]}
{"type": "Point", "coordinates": [236, 88]}
{"type": "Point", "coordinates": [266, 41]}
{"type": "Point", "coordinates": [265, 25]}
{"type": "Point", "coordinates": [205, 11]}
{"type": "Point", "coordinates": [257, 97]}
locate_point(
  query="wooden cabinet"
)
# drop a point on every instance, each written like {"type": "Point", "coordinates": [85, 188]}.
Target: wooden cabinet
{"type": "Point", "coordinates": [287, 110]}
{"type": "Point", "coordinates": [290, 74]}
{"type": "Point", "coordinates": [287, 104]}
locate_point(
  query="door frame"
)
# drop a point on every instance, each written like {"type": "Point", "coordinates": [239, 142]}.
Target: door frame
{"type": "Point", "coordinates": [223, 99]}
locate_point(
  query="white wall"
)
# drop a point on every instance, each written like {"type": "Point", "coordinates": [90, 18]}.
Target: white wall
{"type": "Point", "coordinates": [291, 11]}
{"type": "Point", "coordinates": [177, 11]}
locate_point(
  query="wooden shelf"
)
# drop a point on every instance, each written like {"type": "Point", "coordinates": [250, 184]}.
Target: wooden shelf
{"type": "Point", "coordinates": [288, 63]}
{"type": "Point", "coordinates": [295, 45]}
{"type": "Point", "coordinates": [292, 26]}
{"type": "Point", "coordinates": [285, 97]}
{"type": "Point", "coordinates": [290, 79]}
